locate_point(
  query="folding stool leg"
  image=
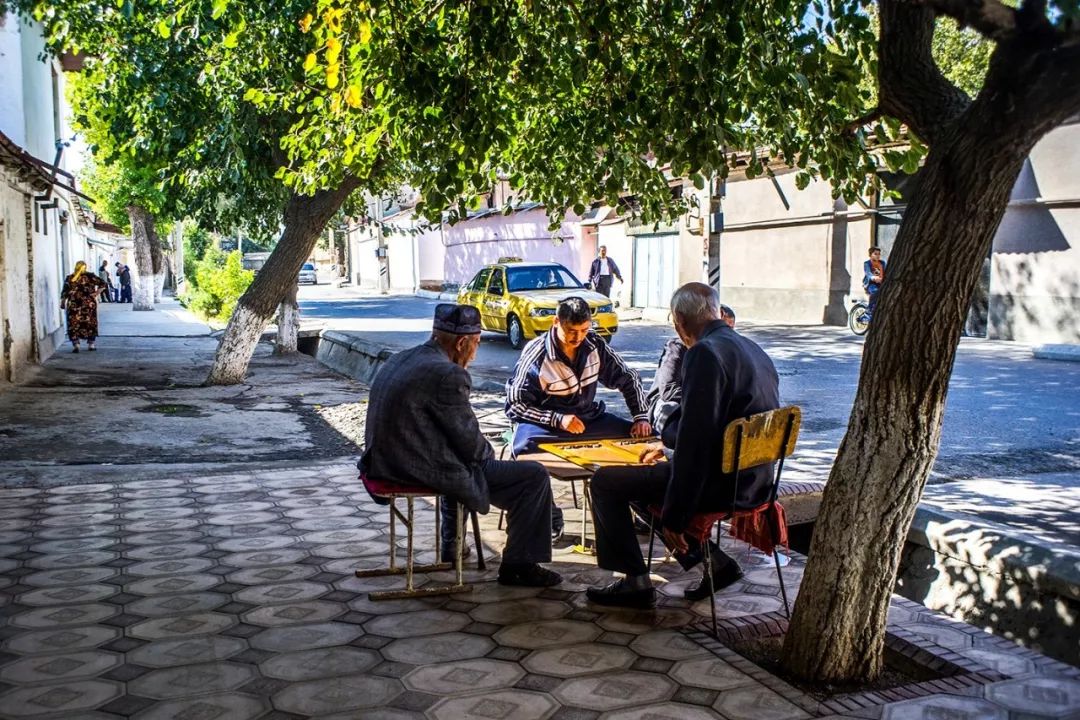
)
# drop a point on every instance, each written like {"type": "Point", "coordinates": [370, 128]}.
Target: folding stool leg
{"type": "Point", "coordinates": [459, 546]}
{"type": "Point", "coordinates": [774, 533]}
{"type": "Point", "coordinates": [712, 587]}
{"type": "Point", "coordinates": [409, 547]}
{"type": "Point", "coordinates": [502, 514]}
{"type": "Point", "coordinates": [480, 563]}
{"type": "Point", "coordinates": [573, 490]}
{"type": "Point", "coordinates": [652, 539]}
{"type": "Point", "coordinates": [393, 533]}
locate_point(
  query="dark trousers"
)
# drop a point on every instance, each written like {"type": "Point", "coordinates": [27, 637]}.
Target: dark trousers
{"type": "Point", "coordinates": [603, 284]}
{"type": "Point", "coordinates": [528, 436]}
{"type": "Point", "coordinates": [125, 293]}
{"type": "Point", "coordinates": [523, 489]}
{"type": "Point", "coordinates": [613, 490]}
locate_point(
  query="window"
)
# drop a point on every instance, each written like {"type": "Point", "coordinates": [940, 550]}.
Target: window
{"type": "Point", "coordinates": [544, 277]}
{"type": "Point", "coordinates": [480, 280]}
{"type": "Point", "coordinates": [308, 266]}
{"type": "Point", "coordinates": [497, 287]}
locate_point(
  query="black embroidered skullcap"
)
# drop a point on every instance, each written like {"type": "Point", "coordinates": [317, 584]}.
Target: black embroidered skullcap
{"type": "Point", "coordinates": [457, 319]}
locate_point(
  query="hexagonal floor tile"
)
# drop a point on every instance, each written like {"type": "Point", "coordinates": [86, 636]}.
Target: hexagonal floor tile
{"type": "Point", "coordinates": [274, 574]}
{"type": "Point", "coordinates": [944, 706]}
{"type": "Point", "coordinates": [70, 639]}
{"type": "Point", "coordinates": [513, 612]}
{"type": "Point", "coordinates": [233, 706]}
{"type": "Point", "coordinates": [61, 700]}
{"type": "Point", "coordinates": [667, 645]}
{"type": "Point", "coordinates": [500, 705]}
{"type": "Point", "coordinates": [1054, 697]}
{"type": "Point", "coordinates": [69, 576]}
{"type": "Point", "coordinates": [320, 663]}
{"type": "Point", "coordinates": [638, 622]}
{"type": "Point", "coordinates": [431, 649]}
{"type": "Point", "coordinates": [280, 593]}
{"type": "Point", "coordinates": [317, 697]}
{"type": "Point", "coordinates": [190, 680]}
{"type": "Point", "coordinates": [187, 651]}
{"type": "Point", "coordinates": [710, 673]}
{"type": "Point", "coordinates": [413, 624]}
{"type": "Point", "coordinates": [946, 637]}
{"type": "Point", "coordinates": [305, 637]}
{"type": "Point", "coordinates": [577, 660]}
{"type": "Point", "coordinates": [458, 678]}
{"type": "Point", "coordinates": [64, 667]}
{"type": "Point", "coordinates": [68, 594]}
{"type": "Point", "coordinates": [65, 615]}
{"type": "Point", "coordinates": [168, 605]}
{"type": "Point", "coordinates": [193, 583]}
{"type": "Point", "coordinates": [663, 711]}
{"type": "Point", "coordinates": [295, 613]}
{"type": "Point", "coordinates": [756, 703]}
{"type": "Point", "coordinates": [1006, 663]}
{"type": "Point", "coordinates": [612, 691]}
{"type": "Point", "coordinates": [553, 633]}
{"type": "Point", "coordinates": [182, 626]}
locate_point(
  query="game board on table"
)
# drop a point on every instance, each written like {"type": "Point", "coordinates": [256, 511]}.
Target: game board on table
{"type": "Point", "coordinates": [594, 454]}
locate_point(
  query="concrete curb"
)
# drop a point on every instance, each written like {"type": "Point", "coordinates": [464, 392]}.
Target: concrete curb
{"type": "Point", "coordinates": [1065, 353]}
{"type": "Point", "coordinates": [361, 359]}
{"type": "Point", "coordinates": [432, 295]}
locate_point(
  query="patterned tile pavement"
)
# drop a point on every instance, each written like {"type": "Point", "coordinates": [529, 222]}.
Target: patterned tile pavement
{"type": "Point", "coordinates": [232, 597]}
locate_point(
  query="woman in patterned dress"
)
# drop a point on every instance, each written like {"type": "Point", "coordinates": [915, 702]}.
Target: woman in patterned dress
{"type": "Point", "coordinates": [80, 298]}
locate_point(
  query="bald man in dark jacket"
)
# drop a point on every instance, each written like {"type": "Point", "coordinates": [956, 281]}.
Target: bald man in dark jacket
{"type": "Point", "coordinates": [725, 376]}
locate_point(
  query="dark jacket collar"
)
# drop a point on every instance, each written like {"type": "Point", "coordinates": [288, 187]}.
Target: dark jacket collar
{"type": "Point", "coordinates": [712, 327]}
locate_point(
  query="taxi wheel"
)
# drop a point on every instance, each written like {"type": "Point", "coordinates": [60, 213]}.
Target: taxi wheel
{"type": "Point", "coordinates": [515, 332]}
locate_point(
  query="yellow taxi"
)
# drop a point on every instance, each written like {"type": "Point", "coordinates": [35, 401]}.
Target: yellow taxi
{"type": "Point", "coordinates": [520, 298]}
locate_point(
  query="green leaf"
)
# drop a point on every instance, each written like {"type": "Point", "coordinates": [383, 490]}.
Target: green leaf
{"type": "Point", "coordinates": [232, 39]}
{"type": "Point", "coordinates": [219, 8]}
{"type": "Point", "coordinates": [163, 29]}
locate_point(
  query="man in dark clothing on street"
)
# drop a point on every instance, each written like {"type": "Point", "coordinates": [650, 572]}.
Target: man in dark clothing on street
{"type": "Point", "coordinates": [725, 377]}
{"type": "Point", "coordinates": [421, 429]}
{"type": "Point", "coordinates": [123, 275]}
{"type": "Point", "coordinates": [602, 271]}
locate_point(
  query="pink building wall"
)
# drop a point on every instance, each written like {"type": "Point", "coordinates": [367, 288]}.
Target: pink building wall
{"type": "Point", "coordinates": [473, 243]}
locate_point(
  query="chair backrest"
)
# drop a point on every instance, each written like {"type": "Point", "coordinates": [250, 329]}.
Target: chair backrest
{"type": "Point", "coordinates": [762, 438]}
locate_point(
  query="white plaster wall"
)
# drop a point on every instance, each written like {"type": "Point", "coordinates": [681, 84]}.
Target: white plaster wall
{"type": "Point", "coordinates": [1035, 267]}
{"type": "Point", "coordinates": [40, 138]}
{"type": "Point", "coordinates": [12, 112]}
{"type": "Point", "coordinates": [14, 289]}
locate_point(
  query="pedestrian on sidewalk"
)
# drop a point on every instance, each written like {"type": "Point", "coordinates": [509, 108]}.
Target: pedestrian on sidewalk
{"type": "Point", "coordinates": [103, 273]}
{"type": "Point", "coordinates": [80, 298]}
{"type": "Point", "coordinates": [123, 274]}
{"type": "Point", "coordinates": [602, 271]}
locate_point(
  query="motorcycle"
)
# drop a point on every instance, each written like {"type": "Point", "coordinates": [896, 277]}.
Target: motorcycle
{"type": "Point", "coordinates": [858, 318]}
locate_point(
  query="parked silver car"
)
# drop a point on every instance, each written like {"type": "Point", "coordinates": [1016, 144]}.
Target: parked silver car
{"type": "Point", "coordinates": [307, 274]}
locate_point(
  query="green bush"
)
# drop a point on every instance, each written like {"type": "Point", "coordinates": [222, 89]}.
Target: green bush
{"type": "Point", "coordinates": [219, 281]}
{"type": "Point", "coordinates": [196, 242]}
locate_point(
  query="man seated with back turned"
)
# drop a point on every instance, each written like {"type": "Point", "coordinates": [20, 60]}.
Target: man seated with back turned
{"type": "Point", "coordinates": [421, 429]}
{"type": "Point", "coordinates": [725, 376]}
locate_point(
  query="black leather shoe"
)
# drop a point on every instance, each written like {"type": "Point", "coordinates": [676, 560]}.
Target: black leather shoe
{"type": "Point", "coordinates": [723, 577]}
{"type": "Point", "coordinates": [446, 555]}
{"type": "Point", "coordinates": [530, 575]}
{"type": "Point", "coordinates": [619, 594]}
{"type": "Point", "coordinates": [556, 533]}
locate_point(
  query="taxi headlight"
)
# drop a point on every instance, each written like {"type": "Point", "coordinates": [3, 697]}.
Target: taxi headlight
{"type": "Point", "coordinates": [541, 312]}
{"type": "Point", "coordinates": [604, 309]}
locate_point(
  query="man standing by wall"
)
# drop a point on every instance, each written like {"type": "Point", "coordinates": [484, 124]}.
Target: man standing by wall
{"type": "Point", "coordinates": [602, 271]}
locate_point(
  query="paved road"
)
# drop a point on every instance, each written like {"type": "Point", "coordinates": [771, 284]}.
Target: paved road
{"type": "Point", "coordinates": [1010, 444]}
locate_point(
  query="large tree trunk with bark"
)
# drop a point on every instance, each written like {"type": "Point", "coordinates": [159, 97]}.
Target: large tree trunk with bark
{"type": "Point", "coordinates": [305, 218]}
{"type": "Point", "coordinates": [147, 248]}
{"type": "Point", "coordinates": [288, 323]}
{"type": "Point", "coordinates": [837, 630]}
{"type": "Point", "coordinates": [157, 261]}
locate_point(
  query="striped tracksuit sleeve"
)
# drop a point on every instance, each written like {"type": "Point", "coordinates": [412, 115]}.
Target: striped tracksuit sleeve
{"type": "Point", "coordinates": [523, 392]}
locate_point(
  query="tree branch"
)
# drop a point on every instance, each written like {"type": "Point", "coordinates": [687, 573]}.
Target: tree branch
{"type": "Point", "coordinates": [911, 88]}
{"type": "Point", "coordinates": [990, 18]}
{"type": "Point", "coordinates": [866, 119]}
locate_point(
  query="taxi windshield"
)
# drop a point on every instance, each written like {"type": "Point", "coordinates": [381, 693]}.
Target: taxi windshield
{"type": "Point", "coordinates": [550, 277]}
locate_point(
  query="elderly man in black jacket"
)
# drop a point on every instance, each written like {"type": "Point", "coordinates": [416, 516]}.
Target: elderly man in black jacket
{"type": "Point", "coordinates": [725, 376]}
{"type": "Point", "coordinates": [421, 429]}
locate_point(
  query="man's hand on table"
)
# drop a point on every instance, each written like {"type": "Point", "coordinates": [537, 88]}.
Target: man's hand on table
{"type": "Point", "coordinates": [572, 424]}
{"type": "Point", "coordinates": [641, 429]}
{"type": "Point", "coordinates": [652, 456]}
{"type": "Point", "coordinates": [676, 541]}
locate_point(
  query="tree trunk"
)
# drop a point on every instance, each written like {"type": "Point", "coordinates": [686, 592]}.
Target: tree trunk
{"type": "Point", "coordinates": [837, 630]}
{"type": "Point", "coordinates": [288, 323]}
{"type": "Point", "coordinates": [146, 244]}
{"type": "Point", "coordinates": [305, 218]}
